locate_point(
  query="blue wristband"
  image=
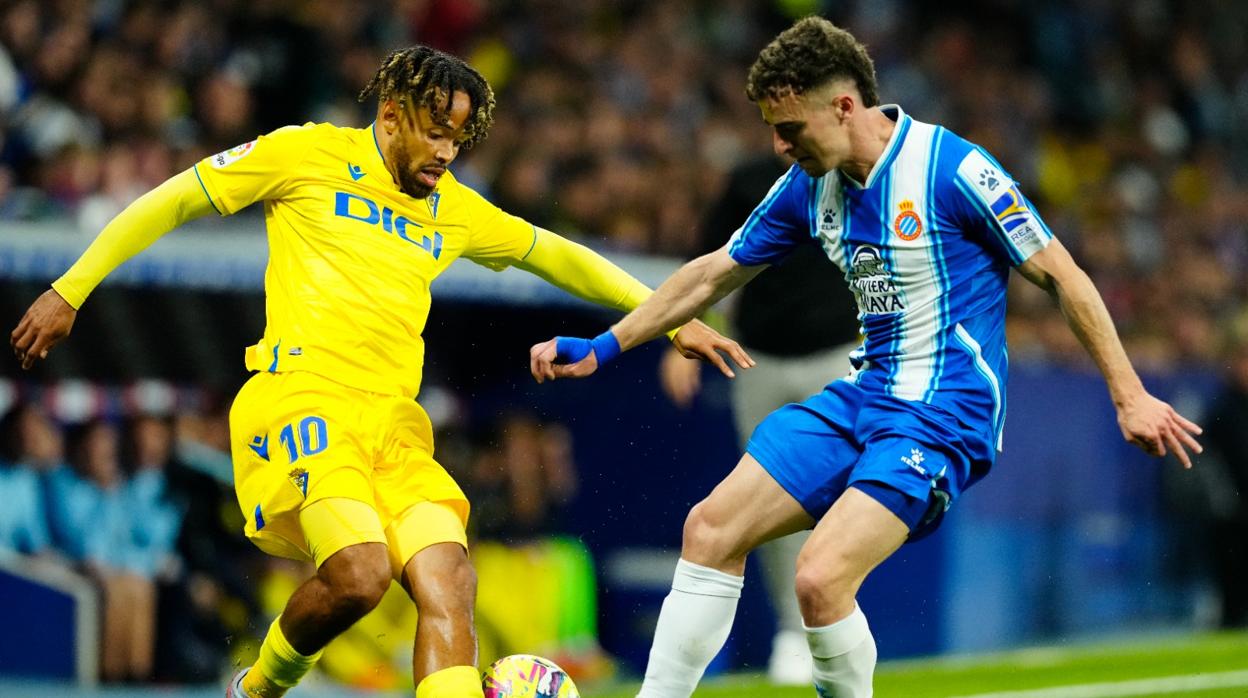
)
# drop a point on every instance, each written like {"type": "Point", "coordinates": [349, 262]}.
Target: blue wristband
{"type": "Point", "coordinates": [569, 350]}
{"type": "Point", "coordinates": [606, 347]}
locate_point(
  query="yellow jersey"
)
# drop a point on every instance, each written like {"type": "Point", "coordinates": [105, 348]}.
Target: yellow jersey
{"type": "Point", "coordinates": [351, 257]}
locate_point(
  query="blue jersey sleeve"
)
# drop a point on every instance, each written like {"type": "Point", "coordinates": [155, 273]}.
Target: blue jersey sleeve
{"type": "Point", "coordinates": [778, 224]}
{"type": "Point", "coordinates": [989, 206]}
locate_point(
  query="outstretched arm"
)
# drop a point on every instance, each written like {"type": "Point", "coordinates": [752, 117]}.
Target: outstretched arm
{"type": "Point", "coordinates": [685, 295]}
{"type": "Point", "coordinates": [50, 318]}
{"type": "Point", "coordinates": [582, 272]}
{"type": "Point", "coordinates": [586, 274]}
{"type": "Point", "coordinates": [1147, 422]}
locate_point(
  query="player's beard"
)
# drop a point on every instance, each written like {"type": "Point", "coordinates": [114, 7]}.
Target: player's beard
{"type": "Point", "coordinates": [408, 182]}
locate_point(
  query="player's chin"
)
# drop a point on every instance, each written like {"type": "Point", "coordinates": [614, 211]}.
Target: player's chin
{"type": "Point", "coordinates": [812, 167]}
{"type": "Point", "coordinates": [415, 188]}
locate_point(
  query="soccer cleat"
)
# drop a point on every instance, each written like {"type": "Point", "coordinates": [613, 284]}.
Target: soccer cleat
{"type": "Point", "coordinates": [235, 687]}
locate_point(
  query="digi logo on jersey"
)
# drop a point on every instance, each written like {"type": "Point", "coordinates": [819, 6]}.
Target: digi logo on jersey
{"type": "Point", "coordinates": [366, 210]}
{"type": "Point", "coordinates": [872, 283]}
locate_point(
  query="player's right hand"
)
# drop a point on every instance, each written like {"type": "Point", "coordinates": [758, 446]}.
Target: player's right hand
{"type": "Point", "coordinates": [47, 321]}
{"type": "Point", "coordinates": [1155, 426]}
{"type": "Point", "coordinates": [543, 366]}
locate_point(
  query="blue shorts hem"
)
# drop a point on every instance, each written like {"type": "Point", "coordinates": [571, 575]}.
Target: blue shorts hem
{"type": "Point", "coordinates": [905, 507]}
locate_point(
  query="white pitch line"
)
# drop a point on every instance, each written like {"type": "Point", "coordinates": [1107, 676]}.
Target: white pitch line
{"type": "Point", "coordinates": [1138, 687]}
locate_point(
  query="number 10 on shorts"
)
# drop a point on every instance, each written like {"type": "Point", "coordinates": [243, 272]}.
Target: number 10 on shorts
{"type": "Point", "coordinates": [313, 438]}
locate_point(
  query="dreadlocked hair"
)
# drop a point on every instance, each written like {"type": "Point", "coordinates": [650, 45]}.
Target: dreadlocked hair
{"type": "Point", "coordinates": [427, 76]}
{"type": "Point", "coordinates": [808, 55]}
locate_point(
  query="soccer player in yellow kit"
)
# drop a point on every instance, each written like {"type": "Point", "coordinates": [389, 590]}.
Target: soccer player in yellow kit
{"type": "Point", "coordinates": [333, 457]}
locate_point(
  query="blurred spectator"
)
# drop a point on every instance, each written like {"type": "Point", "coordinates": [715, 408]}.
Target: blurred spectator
{"type": "Point", "coordinates": [154, 521]}
{"type": "Point", "coordinates": [521, 479]}
{"type": "Point", "coordinates": [536, 589]}
{"type": "Point", "coordinates": [215, 597]}
{"type": "Point", "coordinates": [31, 446]}
{"type": "Point", "coordinates": [91, 524]}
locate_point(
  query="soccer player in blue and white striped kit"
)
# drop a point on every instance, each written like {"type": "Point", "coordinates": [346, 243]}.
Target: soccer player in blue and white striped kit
{"type": "Point", "coordinates": [925, 226]}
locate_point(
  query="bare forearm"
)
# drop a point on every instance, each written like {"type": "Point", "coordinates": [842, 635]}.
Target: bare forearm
{"type": "Point", "coordinates": [1089, 319]}
{"type": "Point", "coordinates": [684, 296]}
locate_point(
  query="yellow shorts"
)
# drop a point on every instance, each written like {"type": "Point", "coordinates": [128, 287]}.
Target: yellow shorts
{"type": "Point", "coordinates": [298, 438]}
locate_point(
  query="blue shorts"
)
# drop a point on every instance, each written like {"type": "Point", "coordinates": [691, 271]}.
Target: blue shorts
{"type": "Point", "coordinates": [911, 457]}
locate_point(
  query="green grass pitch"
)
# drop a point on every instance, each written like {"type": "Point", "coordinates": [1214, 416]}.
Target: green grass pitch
{"type": "Point", "coordinates": [1211, 666]}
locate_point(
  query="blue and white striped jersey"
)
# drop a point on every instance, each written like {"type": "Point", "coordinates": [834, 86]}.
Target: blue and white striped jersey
{"type": "Point", "coordinates": [926, 244]}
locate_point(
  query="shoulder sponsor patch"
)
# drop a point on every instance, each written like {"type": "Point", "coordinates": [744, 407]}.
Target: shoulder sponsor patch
{"type": "Point", "coordinates": [226, 158]}
{"type": "Point", "coordinates": [1000, 192]}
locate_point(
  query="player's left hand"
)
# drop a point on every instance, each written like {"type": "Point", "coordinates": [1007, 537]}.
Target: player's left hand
{"type": "Point", "coordinates": [1156, 427]}
{"type": "Point", "coordinates": [696, 340]}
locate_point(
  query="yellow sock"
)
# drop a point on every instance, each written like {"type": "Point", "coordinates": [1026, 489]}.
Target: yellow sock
{"type": "Point", "coordinates": [278, 668]}
{"type": "Point", "coordinates": [452, 682]}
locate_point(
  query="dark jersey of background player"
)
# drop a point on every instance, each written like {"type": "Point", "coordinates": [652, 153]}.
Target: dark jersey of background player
{"type": "Point", "coordinates": [791, 309]}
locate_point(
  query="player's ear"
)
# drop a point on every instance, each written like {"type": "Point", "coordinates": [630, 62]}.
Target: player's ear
{"type": "Point", "coordinates": [388, 116]}
{"type": "Point", "coordinates": [845, 106]}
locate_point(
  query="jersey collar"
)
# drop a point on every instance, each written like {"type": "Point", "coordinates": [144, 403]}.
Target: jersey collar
{"type": "Point", "coordinates": [367, 158]}
{"type": "Point", "coordinates": [373, 148]}
{"type": "Point", "coordinates": [891, 149]}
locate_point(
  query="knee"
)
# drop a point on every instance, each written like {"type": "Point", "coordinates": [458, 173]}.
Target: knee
{"type": "Point", "coordinates": [822, 584]}
{"type": "Point", "coordinates": [706, 539]}
{"type": "Point", "coordinates": [451, 592]}
{"type": "Point", "coordinates": [461, 583]}
{"type": "Point", "coordinates": [357, 582]}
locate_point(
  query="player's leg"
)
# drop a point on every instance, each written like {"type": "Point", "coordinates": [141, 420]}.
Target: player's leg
{"type": "Point", "coordinates": [795, 458]}
{"type": "Point", "coordinates": [443, 584]}
{"type": "Point", "coordinates": [748, 508]}
{"type": "Point", "coordinates": [309, 497]}
{"type": "Point", "coordinates": [755, 394]}
{"type": "Point", "coordinates": [350, 579]}
{"type": "Point", "coordinates": [426, 515]}
{"type": "Point", "coordinates": [856, 535]}
{"type": "Point", "coordinates": [787, 379]}
{"type": "Point", "coordinates": [429, 554]}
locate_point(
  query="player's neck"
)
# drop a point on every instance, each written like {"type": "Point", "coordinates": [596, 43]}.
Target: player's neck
{"type": "Point", "coordinates": [867, 144]}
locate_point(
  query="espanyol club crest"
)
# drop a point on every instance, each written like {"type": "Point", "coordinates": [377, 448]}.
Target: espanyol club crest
{"type": "Point", "coordinates": [907, 224]}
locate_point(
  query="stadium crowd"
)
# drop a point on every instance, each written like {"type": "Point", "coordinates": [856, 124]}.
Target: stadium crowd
{"type": "Point", "coordinates": [125, 488]}
{"type": "Point", "coordinates": [1126, 122]}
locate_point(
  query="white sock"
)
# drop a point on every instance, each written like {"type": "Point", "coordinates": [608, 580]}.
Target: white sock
{"type": "Point", "coordinates": [693, 626]}
{"type": "Point", "coordinates": [844, 655]}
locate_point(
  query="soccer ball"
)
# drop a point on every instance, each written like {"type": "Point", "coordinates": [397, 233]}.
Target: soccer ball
{"type": "Point", "coordinates": [527, 676]}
